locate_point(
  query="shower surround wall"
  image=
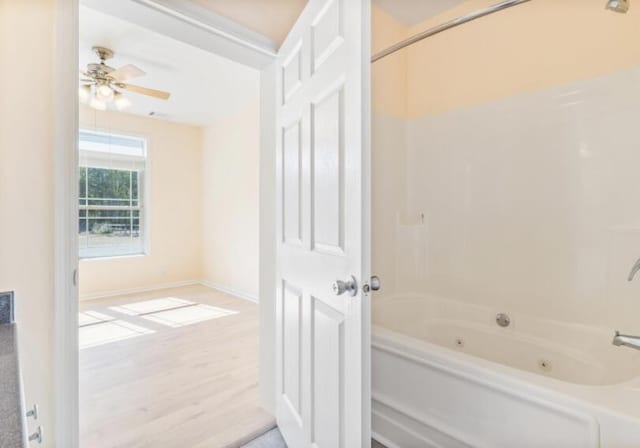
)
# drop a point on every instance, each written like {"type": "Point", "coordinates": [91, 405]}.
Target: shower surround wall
{"type": "Point", "coordinates": [389, 143]}
{"type": "Point", "coordinates": [506, 162]}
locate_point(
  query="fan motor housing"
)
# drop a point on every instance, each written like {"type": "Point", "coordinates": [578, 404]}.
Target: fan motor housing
{"type": "Point", "coordinates": [103, 52]}
{"type": "Point", "coordinates": [100, 68]}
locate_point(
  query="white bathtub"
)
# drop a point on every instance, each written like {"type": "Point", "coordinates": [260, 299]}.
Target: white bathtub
{"type": "Point", "coordinates": [446, 375]}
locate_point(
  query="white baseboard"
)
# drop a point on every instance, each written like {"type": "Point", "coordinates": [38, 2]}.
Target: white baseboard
{"type": "Point", "coordinates": [124, 292]}
{"type": "Point", "coordinates": [230, 291]}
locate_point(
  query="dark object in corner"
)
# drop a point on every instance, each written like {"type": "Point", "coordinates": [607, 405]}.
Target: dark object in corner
{"type": "Point", "coordinates": [6, 308]}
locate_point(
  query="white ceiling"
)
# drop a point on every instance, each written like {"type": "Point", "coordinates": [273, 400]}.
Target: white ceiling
{"type": "Point", "coordinates": [204, 87]}
{"type": "Point", "coordinates": [412, 12]}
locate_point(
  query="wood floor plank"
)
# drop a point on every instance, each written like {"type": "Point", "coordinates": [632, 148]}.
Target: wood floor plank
{"type": "Point", "coordinates": [190, 386]}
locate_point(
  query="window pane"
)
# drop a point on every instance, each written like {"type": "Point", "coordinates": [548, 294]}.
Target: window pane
{"type": "Point", "coordinates": [109, 185]}
{"type": "Point", "coordinates": [83, 183]}
{"type": "Point", "coordinates": [135, 193]}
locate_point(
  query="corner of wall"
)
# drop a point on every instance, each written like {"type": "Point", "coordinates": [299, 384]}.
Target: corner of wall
{"type": "Point", "coordinates": [267, 281]}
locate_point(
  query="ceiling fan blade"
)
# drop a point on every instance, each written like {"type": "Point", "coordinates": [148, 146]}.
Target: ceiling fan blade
{"type": "Point", "coordinates": [145, 91]}
{"type": "Point", "coordinates": [126, 73]}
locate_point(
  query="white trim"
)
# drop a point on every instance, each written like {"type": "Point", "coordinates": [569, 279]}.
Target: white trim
{"type": "Point", "coordinates": [65, 140]}
{"type": "Point", "coordinates": [248, 38]}
{"type": "Point", "coordinates": [400, 433]}
{"type": "Point", "coordinates": [230, 291]}
{"type": "Point", "coordinates": [188, 22]}
{"type": "Point", "coordinates": [138, 290]}
{"type": "Point", "coordinates": [113, 258]}
{"type": "Point", "coordinates": [381, 439]}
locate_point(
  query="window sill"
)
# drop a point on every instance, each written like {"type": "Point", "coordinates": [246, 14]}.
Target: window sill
{"type": "Point", "coordinates": [112, 257]}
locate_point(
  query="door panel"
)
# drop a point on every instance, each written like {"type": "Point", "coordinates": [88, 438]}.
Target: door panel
{"type": "Point", "coordinates": [328, 373]}
{"type": "Point", "coordinates": [292, 73]}
{"type": "Point", "coordinates": [292, 189]}
{"type": "Point", "coordinates": [322, 171]}
{"type": "Point", "coordinates": [327, 187]}
{"type": "Point", "coordinates": [291, 351]}
{"type": "Point", "coordinates": [326, 32]}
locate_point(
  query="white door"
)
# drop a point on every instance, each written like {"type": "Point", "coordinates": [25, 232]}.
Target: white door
{"type": "Point", "coordinates": [323, 338]}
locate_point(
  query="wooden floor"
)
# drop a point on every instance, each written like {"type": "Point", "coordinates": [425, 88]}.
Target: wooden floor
{"type": "Point", "coordinates": [186, 385]}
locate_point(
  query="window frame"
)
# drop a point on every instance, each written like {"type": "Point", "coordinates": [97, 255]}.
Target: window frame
{"type": "Point", "coordinates": [144, 196]}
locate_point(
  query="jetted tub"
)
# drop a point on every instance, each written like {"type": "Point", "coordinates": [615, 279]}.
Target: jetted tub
{"type": "Point", "coordinates": [446, 375]}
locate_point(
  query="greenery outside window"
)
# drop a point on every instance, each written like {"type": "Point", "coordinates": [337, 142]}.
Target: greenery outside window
{"type": "Point", "coordinates": [111, 195]}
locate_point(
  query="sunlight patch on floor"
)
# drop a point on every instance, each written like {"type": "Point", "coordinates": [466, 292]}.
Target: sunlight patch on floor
{"type": "Point", "coordinates": [151, 306]}
{"type": "Point", "coordinates": [187, 315]}
{"type": "Point", "coordinates": [92, 317]}
{"type": "Point", "coordinates": [106, 332]}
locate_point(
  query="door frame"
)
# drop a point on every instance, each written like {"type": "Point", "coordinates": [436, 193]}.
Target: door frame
{"type": "Point", "coordinates": [65, 132]}
{"type": "Point", "coordinates": [66, 405]}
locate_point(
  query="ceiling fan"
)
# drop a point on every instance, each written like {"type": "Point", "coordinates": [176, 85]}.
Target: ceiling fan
{"type": "Point", "coordinates": [101, 84]}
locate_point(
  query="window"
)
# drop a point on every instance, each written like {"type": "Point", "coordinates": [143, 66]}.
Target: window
{"type": "Point", "coordinates": [111, 193]}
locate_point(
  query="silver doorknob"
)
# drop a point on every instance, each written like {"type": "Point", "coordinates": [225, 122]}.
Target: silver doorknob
{"type": "Point", "coordinates": [350, 286]}
{"type": "Point", "coordinates": [375, 283]}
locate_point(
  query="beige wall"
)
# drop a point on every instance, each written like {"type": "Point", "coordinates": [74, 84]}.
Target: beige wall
{"type": "Point", "coordinates": [526, 48]}
{"type": "Point", "coordinates": [388, 75]}
{"type": "Point", "coordinates": [26, 189]}
{"type": "Point", "coordinates": [272, 19]}
{"type": "Point", "coordinates": [230, 226]}
{"type": "Point", "coordinates": [174, 201]}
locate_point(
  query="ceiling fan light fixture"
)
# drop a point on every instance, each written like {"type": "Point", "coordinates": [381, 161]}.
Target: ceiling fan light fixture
{"type": "Point", "coordinates": [101, 84]}
{"type": "Point", "coordinates": [104, 93]}
{"type": "Point", "coordinates": [97, 103]}
{"type": "Point", "coordinates": [121, 101]}
{"type": "Point", "coordinates": [84, 93]}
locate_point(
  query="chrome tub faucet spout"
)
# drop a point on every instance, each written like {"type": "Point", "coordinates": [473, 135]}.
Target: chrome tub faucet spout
{"type": "Point", "coordinates": [634, 269]}
{"type": "Point", "coordinates": [626, 340]}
